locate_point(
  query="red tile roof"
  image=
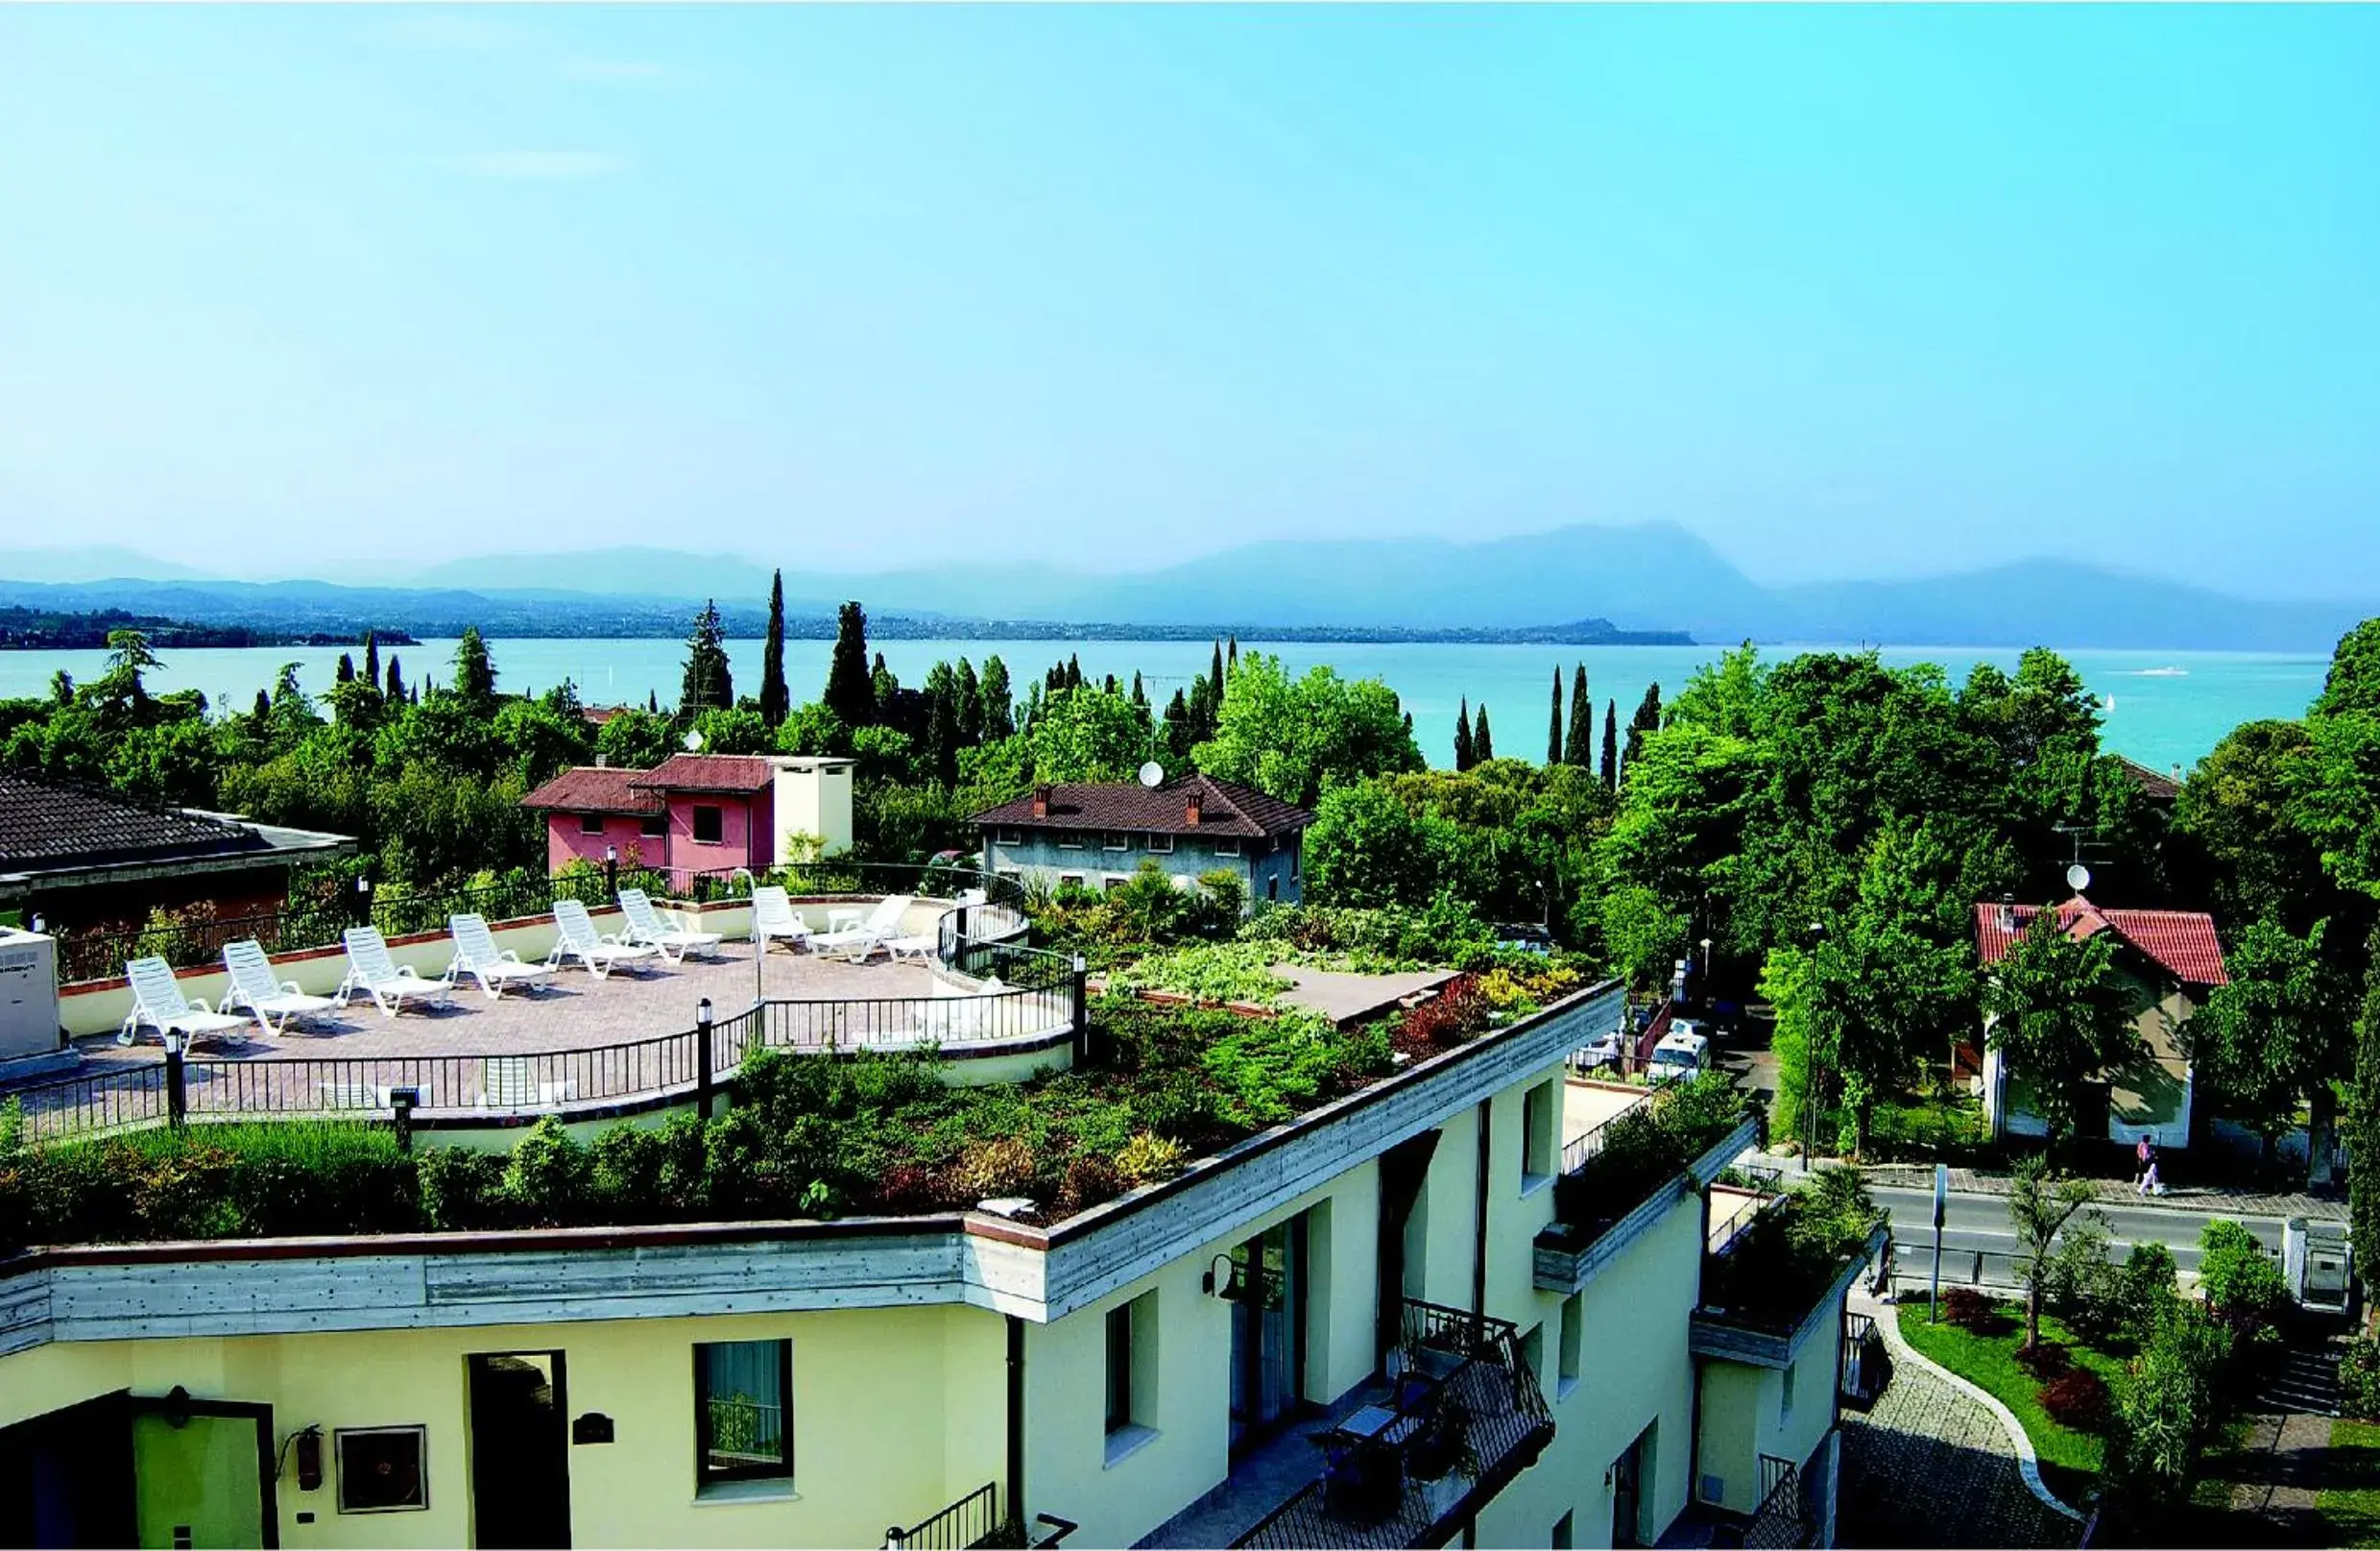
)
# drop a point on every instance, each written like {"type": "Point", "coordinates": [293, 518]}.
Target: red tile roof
{"type": "Point", "coordinates": [595, 788]}
{"type": "Point", "coordinates": [707, 772]}
{"type": "Point", "coordinates": [1224, 809]}
{"type": "Point", "coordinates": [2182, 942]}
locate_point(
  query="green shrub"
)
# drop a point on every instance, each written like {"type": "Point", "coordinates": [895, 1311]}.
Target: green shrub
{"type": "Point", "coordinates": [2168, 1413]}
{"type": "Point", "coordinates": [549, 1177]}
{"type": "Point", "coordinates": [2359, 1379]}
{"type": "Point", "coordinates": [460, 1190]}
{"type": "Point", "coordinates": [2241, 1283]}
{"type": "Point", "coordinates": [2079, 1284]}
{"type": "Point", "coordinates": [1149, 1158]}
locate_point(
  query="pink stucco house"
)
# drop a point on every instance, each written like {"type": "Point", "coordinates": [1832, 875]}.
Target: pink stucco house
{"type": "Point", "coordinates": [692, 813]}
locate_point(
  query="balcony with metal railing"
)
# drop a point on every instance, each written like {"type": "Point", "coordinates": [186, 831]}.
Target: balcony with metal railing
{"type": "Point", "coordinates": [1416, 1457]}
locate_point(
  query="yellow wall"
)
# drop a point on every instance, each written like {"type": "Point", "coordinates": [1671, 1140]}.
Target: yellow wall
{"type": "Point", "coordinates": [897, 1412]}
{"type": "Point", "coordinates": [1739, 1407]}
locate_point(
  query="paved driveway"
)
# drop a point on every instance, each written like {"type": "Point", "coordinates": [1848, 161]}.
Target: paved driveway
{"type": "Point", "coordinates": [1929, 1467]}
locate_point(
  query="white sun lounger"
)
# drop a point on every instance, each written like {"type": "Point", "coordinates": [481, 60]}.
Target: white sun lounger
{"type": "Point", "coordinates": [774, 918]}
{"type": "Point", "coordinates": [576, 938]}
{"type": "Point", "coordinates": [157, 1001]}
{"type": "Point", "coordinates": [253, 987]}
{"type": "Point", "coordinates": [858, 942]}
{"type": "Point", "coordinates": [476, 955]}
{"type": "Point", "coordinates": [372, 971]}
{"type": "Point", "coordinates": [510, 1082]}
{"type": "Point", "coordinates": [648, 925]}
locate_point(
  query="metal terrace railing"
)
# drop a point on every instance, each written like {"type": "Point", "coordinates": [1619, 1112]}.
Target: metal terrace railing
{"type": "Point", "coordinates": [1466, 1410]}
{"type": "Point", "coordinates": [504, 1086]}
{"type": "Point", "coordinates": [973, 1521]}
{"type": "Point", "coordinates": [1780, 1521]}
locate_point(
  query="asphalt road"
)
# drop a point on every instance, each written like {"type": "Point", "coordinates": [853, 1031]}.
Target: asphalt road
{"type": "Point", "coordinates": [1977, 1222]}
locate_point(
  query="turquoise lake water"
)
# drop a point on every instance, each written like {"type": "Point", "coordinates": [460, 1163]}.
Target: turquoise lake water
{"type": "Point", "coordinates": [2165, 708]}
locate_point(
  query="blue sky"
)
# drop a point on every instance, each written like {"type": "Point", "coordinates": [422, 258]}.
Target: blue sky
{"type": "Point", "coordinates": [1846, 291]}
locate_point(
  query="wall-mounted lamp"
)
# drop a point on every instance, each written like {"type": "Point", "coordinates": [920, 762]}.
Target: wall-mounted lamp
{"type": "Point", "coordinates": [1221, 1278]}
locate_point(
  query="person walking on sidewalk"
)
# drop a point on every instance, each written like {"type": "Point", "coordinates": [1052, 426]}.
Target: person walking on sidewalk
{"type": "Point", "coordinates": [2144, 1159]}
{"type": "Point", "coordinates": [2149, 1183]}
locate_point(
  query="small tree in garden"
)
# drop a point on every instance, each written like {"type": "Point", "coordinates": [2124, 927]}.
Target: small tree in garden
{"type": "Point", "coordinates": [2059, 1016]}
{"type": "Point", "coordinates": [2040, 1206]}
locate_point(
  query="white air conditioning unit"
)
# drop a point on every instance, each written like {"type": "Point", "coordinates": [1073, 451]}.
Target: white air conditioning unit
{"type": "Point", "coordinates": [28, 994]}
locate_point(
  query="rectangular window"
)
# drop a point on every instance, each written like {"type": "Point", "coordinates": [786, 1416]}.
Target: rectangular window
{"type": "Point", "coordinates": [1537, 1149]}
{"type": "Point", "coordinates": [707, 824]}
{"type": "Point", "coordinates": [1785, 1402]}
{"type": "Point", "coordinates": [1227, 848]}
{"type": "Point", "coordinates": [591, 823]}
{"type": "Point", "coordinates": [1012, 837]}
{"type": "Point", "coordinates": [743, 1420]}
{"type": "Point", "coordinates": [1131, 1375]}
{"type": "Point", "coordinates": [1070, 880]}
{"type": "Point", "coordinates": [653, 826]}
{"type": "Point", "coordinates": [1573, 1342]}
{"type": "Point", "coordinates": [382, 1469]}
{"type": "Point", "coordinates": [1116, 840]}
{"type": "Point", "coordinates": [1297, 854]}
{"type": "Point", "coordinates": [1160, 843]}
{"type": "Point", "coordinates": [1114, 879]}
{"type": "Point", "coordinates": [1070, 842]}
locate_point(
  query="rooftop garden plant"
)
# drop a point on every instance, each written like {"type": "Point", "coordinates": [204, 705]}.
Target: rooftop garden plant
{"type": "Point", "coordinates": [1775, 1272]}
{"type": "Point", "coordinates": [1643, 1147]}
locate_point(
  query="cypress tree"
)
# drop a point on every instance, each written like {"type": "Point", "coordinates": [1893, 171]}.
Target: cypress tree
{"type": "Point", "coordinates": [1231, 658]}
{"type": "Point", "coordinates": [652, 701]}
{"type": "Point", "coordinates": [372, 660]}
{"type": "Point", "coordinates": [1581, 750]}
{"type": "Point", "coordinates": [706, 683]}
{"type": "Point", "coordinates": [883, 683]}
{"type": "Point", "coordinates": [1611, 745]}
{"type": "Point", "coordinates": [262, 710]}
{"type": "Point", "coordinates": [775, 700]}
{"type": "Point", "coordinates": [1180, 736]}
{"type": "Point", "coordinates": [346, 672]}
{"type": "Point", "coordinates": [1073, 671]}
{"type": "Point", "coordinates": [1482, 741]}
{"type": "Point", "coordinates": [1000, 708]}
{"type": "Point", "coordinates": [475, 676]}
{"type": "Point", "coordinates": [1215, 673]}
{"type": "Point", "coordinates": [1462, 735]}
{"type": "Point", "coordinates": [969, 705]}
{"type": "Point", "coordinates": [1140, 697]}
{"type": "Point", "coordinates": [1110, 685]}
{"type": "Point", "coordinates": [942, 724]}
{"type": "Point", "coordinates": [1647, 719]}
{"type": "Point", "coordinates": [849, 693]}
{"type": "Point", "coordinates": [1554, 727]}
{"type": "Point", "coordinates": [397, 680]}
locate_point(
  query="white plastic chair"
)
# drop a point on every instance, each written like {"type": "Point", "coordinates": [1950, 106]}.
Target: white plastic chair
{"type": "Point", "coordinates": [253, 987]}
{"type": "Point", "coordinates": [858, 942]}
{"type": "Point", "coordinates": [476, 955]}
{"type": "Point", "coordinates": [157, 1001]}
{"type": "Point", "coordinates": [576, 938]}
{"type": "Point", "coordinates": [372, 971]}
{"type": "Point", "coordinates": [647, 925]}
{"type": "Point", "coordinates": [774, 918]}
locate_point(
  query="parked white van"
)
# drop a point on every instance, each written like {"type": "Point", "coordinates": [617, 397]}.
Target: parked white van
{"type": "Point", "coordinates": [1680, 1054]}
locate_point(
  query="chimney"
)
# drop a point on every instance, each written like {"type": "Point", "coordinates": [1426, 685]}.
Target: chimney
{"type": "Point", "coordinates": [1041, 802]}
{"type": "Point", "coordinates": [1191, 807]}
{"type": "Point", "coordinates": [2004, 916]}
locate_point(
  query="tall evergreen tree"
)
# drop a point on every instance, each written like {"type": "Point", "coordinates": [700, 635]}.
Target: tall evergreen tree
{"type": "Point", "coordinates": [1482, 741]}
{"type": "Point", "coordinates": [1214, 675]}
{"type": "Point", "coordinates": [942, 724]}
{"type": "Point", "coordinates": [474, 675]}
{"type": "Point", "coordinates": [1554, 727]}
{"type": "Point", "coordinates": [999, 703]}
{"type": "Point", "coordinates": [262, 710]}
{"type": "Point", "coordinates": [653, 702]}
{"type": "Point", "coordinates": [397, 680]}
{"type": "Point", "coordinates": [706, 684]}
{"type": "Point", "coordinates": [1179, 735]}
{"type": "Point", "coordinates": [1647, 719]}
{"type": "Point", "coordinates": [1073, 671]}
{"type": "Point", "coordinates": [776, 701]}
{"type": "Point", "coordinates": [850, 695]}
{"type": "Point", "coordinates": [1581, 749]}
{"type": "Point", "coordinates": [1109, 684]}
{"type": "Point", "coordinates": [883, 683]}
{"type": "Point", "coordinates": [1140, 697]}
{"type": "Point", "coordinates": [1462, 735]}
{"type": "Point", "coordinates": [372, 660]}
{"type": "Point", "coordinates": [1611, 745]}
{"type": "Point", "coordinates": [1231, 657]}
{"type": "Point", "coordinates": [345, 673]}
{"type": "Point", "coordinates": [969, 705]}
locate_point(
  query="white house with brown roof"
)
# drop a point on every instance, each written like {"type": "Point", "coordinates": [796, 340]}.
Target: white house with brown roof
{"type": "Point", "coordinates": [2170, 960]}
{"type": "Point", "coordinates": [1094, 836]}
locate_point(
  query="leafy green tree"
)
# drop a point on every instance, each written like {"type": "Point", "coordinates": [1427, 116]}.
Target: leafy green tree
{"type": "Point", "coordinates": [1295, 739]}
{"type": "Point", "coordinates": [2059, 1016]}
{"type": "Point", "coordinates": [849, 693]}
{"type": "Point", "coordinates": [969, 710]}
{"type": "Point", "coordinates": [2274, 1032]}
{"type": "Point", "coordinates": [1367, 848]}
{"type": "Point", "coordinates": [883, 684]}
{"type": "Point", "coordinates": [2238, 848]}
{"type": "Point", "coordinates": [474, 675]}
{"type": "Point", "coordinates": [733, 730]}
{"type": "Point", "coordinates": [634, 739]}
{"type": "Point", "coordinates": [2352, 686]}
{"type": "Point", "coordinates": [2040, 1205]}
{"type": "Point", "coordinates": [1088, 734]}
{"type": "Point", "coordinates": [706, 684]}
{"type": "Point", "coordinates": [2168, 1413]}
{"type": "Point", "coordinates": [813, 729]}
{"type": "Point", "coordinates": [775, 700]}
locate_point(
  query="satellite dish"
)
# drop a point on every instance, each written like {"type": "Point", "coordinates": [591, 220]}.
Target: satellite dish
{"type": "Point", "coordinates": [2078, 878]}
{"type": "Point", "coordinates": [1152, 775]}
{"type": "Point", "coordinates": [693, 739]}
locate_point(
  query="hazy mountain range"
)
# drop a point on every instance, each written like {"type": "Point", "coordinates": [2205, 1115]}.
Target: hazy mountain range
{"type": "Point", "coordinates": [1647, 577]}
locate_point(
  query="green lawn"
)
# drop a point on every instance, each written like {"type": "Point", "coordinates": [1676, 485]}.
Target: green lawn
{"type": "Point", "coordinates": [2070, 1460]}
{"type": "Point", "coordinates": [2350, 1500]}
